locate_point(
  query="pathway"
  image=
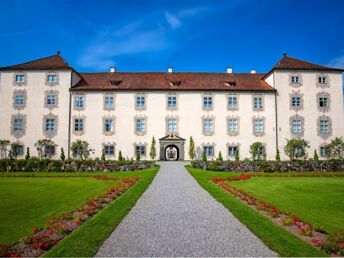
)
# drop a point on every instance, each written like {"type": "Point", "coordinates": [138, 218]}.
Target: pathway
{"type": "Point", "coordinates": [176, 217]}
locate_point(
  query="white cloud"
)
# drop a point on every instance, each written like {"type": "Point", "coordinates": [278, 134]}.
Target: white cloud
{"type": "Point", "coordinates": [337, 62]}
{"type": "Point", "coordinates": [173, 20]}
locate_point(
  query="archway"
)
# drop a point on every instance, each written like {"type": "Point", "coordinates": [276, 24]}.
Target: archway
{"type": "Point", "coordinates": [171, 153]}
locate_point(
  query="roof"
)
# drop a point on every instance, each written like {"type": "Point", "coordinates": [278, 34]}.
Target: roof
{"type": "Point", "coordinates": [292, 63]}
{"type": "Point", "coordinates": [173, 81]}
{"type": "Point", "coordinates": [50, 62]}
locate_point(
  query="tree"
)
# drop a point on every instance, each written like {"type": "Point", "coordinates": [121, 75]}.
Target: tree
{"type": "Point", "coordinates": [192, 151]}
{"type": "Point", "coordinates": [103, 155]}
{"type": "Point", "coordinates": [62, 156]}
{"type": "Point", "coordinates": [14, 152]}
{"type": "Point", "coordinates": [204, 157]}
{"type": "Point", "coordinates": [296, 148]}
{"type": "Point", "coordinates": [220, 156]}
{"type": "Point", "coordinates": [152, 152]}
{"type": "Point", "coordinates": [27, 156]}
{"type": "Point", "coordinates": [3, 148]}
{"type": "Point", "coordinates": [120, 157]}
{"type": "Point", "coordinates": [138, 157]}
{"type": "Point", "coordinates": [41, 144]}
{"type": "Point", "coordinates": [336, 148]}
{"type": "Point", "coordinates": [237, 158]}
{"type": "Point", "coordinates": [315, 156]}
{"type": "Point", "coordinates": [80, 150]}
{"type": "Point", "coordinates": [257, 150]}
{"type": "Point", "coordinates": [278, 156]}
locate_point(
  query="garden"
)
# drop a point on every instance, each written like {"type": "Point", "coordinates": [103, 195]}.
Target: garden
{"type": "Point", "coordinates": [63, 214]}
{"type": "Point", "coordinates": [294, 214]}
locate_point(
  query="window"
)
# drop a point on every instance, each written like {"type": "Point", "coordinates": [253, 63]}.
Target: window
{"type": "Point", "coordinates": [208, 125]}
{"type": "Point", "coordinates": [109, 102]}
{"type": "Point", "coordinates": [140, 125]}
{"type": "Point", "coordinates": [78, 124]}
{"type": "Point", "coordinates": [298, 152]}
{"type": "Point", "coordinates": [208, 102]}
{"type": "Point", "coordinates": [49, 150]}
{"type": "Point", "coordinates": [296, 126]}
{"type": "Point", "coordinates": [109, 150]}
{"type": "Point", "coordinates": [172, 102]}
{"type": "Point", "coordinates": [324, 126]}
{"type": "Point", "coordinates": [257, 103]}
{"type": "Point", "coordinates": [323, 102]}
{"type": "Point", "coordinates": [232, 125]}
{"type": "Point", "coordinates": [18, 149]}
{"type": "Point", "coordinates": [19, 100]}
{"type": "Point", "coordinates": [79, 102]}
{"type": "Point", "coordinates": [51, 100]}
{"type": "Point", "coordinates": [140, 102]}
{"type": "Point", "coordinates": [20, 78]}
{"type": "Point", "coordinates": [261, 151]}
{"type": "Point", "coordinates": [50, 124]}
{"type": "Point", "coordinates": [108, 125]}
{"type": "Point", "coordinates": [140, 149]}
{"type": "Point", "coordinates": [232, 102]}
{"type": "Point", "coordinates": [232, 150]}
{"type": "Point", "coordinates": [171, 125]}
{"type": "Point", "coordinates": [324, 151]}
{"type": "Point", "coordinates": [52, 78]}
{"type": "Point", "coordinates": [208, 150]}
{"type": "Point", "coordinates": [295, 79]}
{"type": "Point", "coordinates": [258, 126]}
{"type": "Point", "coordinates": [18, 124]}
{"type": "Point", "coordinates": [322, 79]}
{"type": "Point", "coordinates": [296, 101]}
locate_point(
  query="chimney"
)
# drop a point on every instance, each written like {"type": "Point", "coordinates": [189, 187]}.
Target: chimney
{"type": "Point", "coordinates": [229, 70]}
{"type": "Point", "coordinates": [253, 71]}
{"type": "Point", "coordinates": [112, 69]}
{"type": "Point", "coordinates": [170, 69]}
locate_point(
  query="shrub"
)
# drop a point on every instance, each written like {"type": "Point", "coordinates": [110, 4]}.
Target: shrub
{"type": "Point", "coordinates": [120, 158]}
{"type": "Point", "coordinates": [204, 157]}
{"type": "Point", "coordinates": [336, 148]}
{"type": "Point", "coordinates": [62, 156]}
{"type": "Point", "coordinates": [80, 150]}
{"type": "Point", "coordinates": [296, 148]}
{"type": "Point", "coordinates": [27, 156]}
{"type": "Point", "coordinates": [278, 156]}
{"type": "Point", "coordinates": [192, 151]}
{"type": "Point", "coordinates": [315, 156]}
{"type": "Point", "coordinates": [220, 156]}
{"type": "Point", "coordinates": [152, 152]}
{"type": "Point", "coordinates": [255, 150]}
{"type": "Point", "coordinates": [138, 157]}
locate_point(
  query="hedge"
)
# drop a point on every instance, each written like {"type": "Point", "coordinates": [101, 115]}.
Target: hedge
{"type": "Point", "coordinates": [271, 166]}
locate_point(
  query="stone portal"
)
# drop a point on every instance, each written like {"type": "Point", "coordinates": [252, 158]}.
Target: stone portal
{"type": "Point", "coordinates": [172, 148]}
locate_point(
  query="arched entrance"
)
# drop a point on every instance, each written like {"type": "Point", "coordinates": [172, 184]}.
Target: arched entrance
{"type": "Point", "coordinates": [171, 153]}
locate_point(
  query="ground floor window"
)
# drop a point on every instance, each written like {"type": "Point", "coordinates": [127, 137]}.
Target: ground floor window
{"type": "Point", "coordinates": [208, 150]}
{"type": "Point", "coordinates": [49, 150]}
{"type": "Point", "coordinates": [109, 150]}
{"type": "Point", "coordinates": [324, 151]}
{"type": "Point", "coordinates": [141, 150]}
{"type": "Point", "coordinates": [232, 150]}
{"type": "Point", "coordinates": [18, 150]}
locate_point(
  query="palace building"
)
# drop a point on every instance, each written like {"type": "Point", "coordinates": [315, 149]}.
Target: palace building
{"type": "Point", "coordinates": [227, 112]}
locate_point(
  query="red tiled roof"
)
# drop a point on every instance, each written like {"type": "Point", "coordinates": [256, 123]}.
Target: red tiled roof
{"type": "Point", "coordinates": [167, 81]}
{"type": "Point", "coordinates": [50, 62]}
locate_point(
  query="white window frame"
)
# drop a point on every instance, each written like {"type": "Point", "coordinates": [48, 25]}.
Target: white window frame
{"type": "Point", "coordinates": [79, 102]}
{"type": "Point", "coordinates": [209, 150]}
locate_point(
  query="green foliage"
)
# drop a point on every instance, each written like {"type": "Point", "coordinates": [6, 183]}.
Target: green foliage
{"type": "Point", "coordinates": [315, 156]}
{"type": "Point", "coordinates": [62, 156]}
{"type": "Point", "coordinates": [336, 148]}
{"type": "Point", "coordinates": [80, 150]}
{"type": "Point", "coordinates": [103, 155]}
{"type": "Point", "coordinates": [278, 156]}
{"type": "Point", "coordinates": [14, 150]}
{"type": "Point", "coordinates": [220, 156]}
{"type": "Point", "coordinates": [120, 157]}
{"type": "Point", "coordinates": [3, 148]}
{"type": "Point", "coordinates": [237, 158]}
{"type": "Point", "coordinates": [138, 157]}
{"type": "Point", "coordinates": [152, 152]}
{"type": "Point", "coordinates": [296, 148]}
{"type": "Point", "coordinates": [192, 151]}
{"type": "Point", "coordinates": [204, 157]}
{"type": "Point", "coordinates": [254, 150]}
{"type": "Point", "coordinates": [40, 145]}
{"type": "Point", "coordinates": [27, 156]}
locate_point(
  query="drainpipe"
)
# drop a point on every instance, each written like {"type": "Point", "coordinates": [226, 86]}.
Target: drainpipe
{"type": "Point", "coordinates": [276, 114]}
{"type": "Point", "coordinates": [70, 114]}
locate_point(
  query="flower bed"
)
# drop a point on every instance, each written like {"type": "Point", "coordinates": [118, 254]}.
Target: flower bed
{"type": "Point", "coordinates": [271, 166]}
{"type": "Point", "coordinates": [332, 244]}
{"type": "Point", "coordinates": [58, 227]}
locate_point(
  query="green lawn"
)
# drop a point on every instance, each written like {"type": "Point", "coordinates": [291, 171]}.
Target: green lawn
{"type": "Point", "coordinates": [28, 202]}
{"type": "Point", "coordinates": [275, 237]}
{"type": "Point", "coordinates": [319, 201]}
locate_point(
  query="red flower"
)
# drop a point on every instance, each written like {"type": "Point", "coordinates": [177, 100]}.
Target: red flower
{"type": "Point", "coordinates": [35, 230]}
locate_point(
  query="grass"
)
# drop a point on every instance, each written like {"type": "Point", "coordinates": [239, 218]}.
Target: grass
{"type": "Point", "coordinates": [274, 236]}
{"type": "Point", "coordinates": [85, 241]}
{"type": "Point", "coordinates": [317, 200]}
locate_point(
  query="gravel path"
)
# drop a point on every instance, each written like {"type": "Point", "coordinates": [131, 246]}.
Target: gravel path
{"type": "Point", "coordinates": [176, 217]}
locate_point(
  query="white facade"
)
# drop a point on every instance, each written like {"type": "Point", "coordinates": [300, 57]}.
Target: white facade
{"type": "Point", "coordinates": [186, 117]}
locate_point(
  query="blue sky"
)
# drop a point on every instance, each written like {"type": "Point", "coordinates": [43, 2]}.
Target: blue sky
{"type": "Point", "coordinates": [188, 35]}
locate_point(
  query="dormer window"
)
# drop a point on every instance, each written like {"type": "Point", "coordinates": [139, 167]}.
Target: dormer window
{"type": "Point", "coordinates": [295, 79]}
{"type": "Point", "coordinates": [20, 78]}
{"type": "Point", "coordinates": [322, 79]}
{"type": "Point", "coordinates": [230, 83]}
{"type": "Point", "coordinates": [115, 83]}
{"type": "Point", "coordinates": [175, 83]}
{"type": "Point", "coordinates": [52, 78]}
